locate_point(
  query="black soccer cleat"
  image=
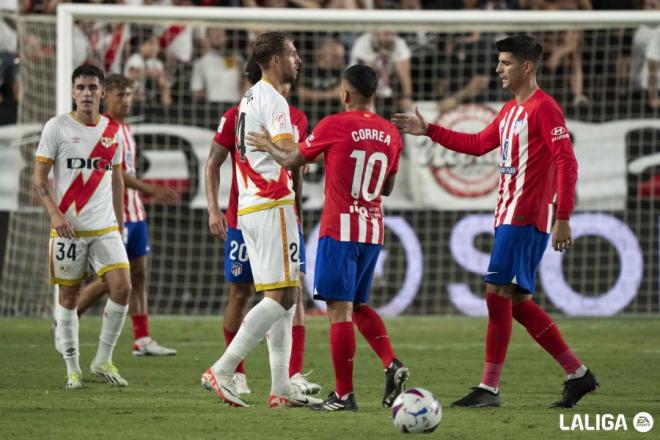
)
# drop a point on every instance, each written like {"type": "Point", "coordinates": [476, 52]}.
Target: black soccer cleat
{"type": "Point", "coordinates": [334, 403]}
{"type": "Point", "coordinates": [479, 398]}
{"type": "Point", "coordinates": [576, 389]}
{"type": "Point", "coordinates": [396, 376]}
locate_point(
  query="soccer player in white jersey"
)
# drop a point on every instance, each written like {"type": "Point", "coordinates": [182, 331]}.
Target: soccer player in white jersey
{"type": "Point", "coordinates": [538, 171]}
{"type": "Point", "coordinates": [118, 100]}
{"type": "Point", "coordinates": [86, 211]}
{"type": "Point", "coordinates": [268, 221]}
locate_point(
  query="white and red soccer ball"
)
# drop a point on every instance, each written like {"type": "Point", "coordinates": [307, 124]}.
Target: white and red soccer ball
{"type": "Point", "coordinates": [416, 410]}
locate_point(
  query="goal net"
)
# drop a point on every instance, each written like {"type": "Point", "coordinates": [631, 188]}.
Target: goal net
{"type": "Point", "coordinates": [439, 219]}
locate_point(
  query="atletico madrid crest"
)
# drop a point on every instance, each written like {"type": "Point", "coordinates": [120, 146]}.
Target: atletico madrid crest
{"type": "Point", "coordinates": [236, 269]}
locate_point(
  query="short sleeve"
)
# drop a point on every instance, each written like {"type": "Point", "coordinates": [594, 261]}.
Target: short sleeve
{"type": "Point", "coordinates": [196, 80]}
{"type": "Point", "coordinates": [118, 157]}
{"type": "Point", "coordinates": [278, 120]}
{"type": "Point", "coordinates": [401, 50]}
{"type": "Point", "coordinates": [653, 48]}
{"type": "Point", "coordinates": [318, 142]}
{"type": "Point", "coordinates": [225, 135]}
{"type": "Point", "coordinates": [48, 144]}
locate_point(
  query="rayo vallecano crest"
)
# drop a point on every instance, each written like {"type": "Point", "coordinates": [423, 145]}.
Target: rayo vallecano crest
{"type": "Point", "coordinates": [107, 142]}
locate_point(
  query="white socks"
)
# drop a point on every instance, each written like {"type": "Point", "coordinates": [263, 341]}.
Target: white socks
{"type": "Point", "coordinates": [114, 316]}
{"type": "Point", "coordinates": [255, 325]}
{"type": "Point", "coordinates": [279, 352]}
{"type": "Point", "coordinates": [577, 373]}
{"type": "Point", "coordinates": [67, 330]}
{"type": "Point", "coordinates": [493, 390]}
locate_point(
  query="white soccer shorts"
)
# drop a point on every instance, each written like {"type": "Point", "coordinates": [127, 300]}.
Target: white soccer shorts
{"type": "Point", "coordinates": [273, 245]}
{"type": "Point", "coordinates": [102, 250]}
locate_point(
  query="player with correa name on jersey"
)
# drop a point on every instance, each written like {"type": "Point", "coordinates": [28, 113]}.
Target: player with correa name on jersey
{"type": "Point", "coordinates": [538, 172]}
{"type": "Point", "coordinates": [87, 214]}
{"type": "Point", "coordinates": [238, 271]}
{"type": "Point", "coordinates": [361, 153]}
{"type": "Point", "coordinates": [267, 218]}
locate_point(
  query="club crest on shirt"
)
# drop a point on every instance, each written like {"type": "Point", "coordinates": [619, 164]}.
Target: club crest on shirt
{"type": "Point", "coordinates": [279, 120]}
{"type": "Point", "coordinates": [236, 269]}
{"type": "Point", "coordinates": [518, 126]}
{"type": "Point", "coordinates": [108, 142]}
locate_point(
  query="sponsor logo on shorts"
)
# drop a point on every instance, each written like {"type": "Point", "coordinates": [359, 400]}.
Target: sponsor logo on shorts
{"type": "Point", "coordinates": [236, 269]}
{"type": "Point", "coordinates": [65, 269]}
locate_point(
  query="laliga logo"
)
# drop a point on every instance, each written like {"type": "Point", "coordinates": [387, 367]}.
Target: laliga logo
{"type": "Point", "coordinates": [77, 163]}
{"type": "Point", "coordinates": [460, 174]}
{"type": "Point", "coordinates": [642, 422]}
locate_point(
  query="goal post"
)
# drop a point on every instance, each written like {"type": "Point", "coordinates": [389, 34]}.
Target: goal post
{"type": "Point", "coordinates": [438, 221]}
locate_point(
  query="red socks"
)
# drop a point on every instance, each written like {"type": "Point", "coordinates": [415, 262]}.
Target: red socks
{"type": "Point", "coordinates": [544, 331]}
{"type": "Point", "coordinates": [140, 326]}
{"type": "Point", "coordinates": [342, 349]}
{"type": "Point", "coordinates": [229, 336]}
{"type": "Point", "coordinates": [498, 336]}
{"type": "Point", "coordinates": [297, 349]}
{"type": "Point", "coordinates": [373, 329]}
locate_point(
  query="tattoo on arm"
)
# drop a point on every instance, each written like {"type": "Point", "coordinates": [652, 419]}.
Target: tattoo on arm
{"type": "Point", "coordinates": [43, 190]}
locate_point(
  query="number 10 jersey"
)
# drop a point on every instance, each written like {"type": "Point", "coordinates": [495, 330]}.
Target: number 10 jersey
{"type": "Point", "coordinates": [361, 150]}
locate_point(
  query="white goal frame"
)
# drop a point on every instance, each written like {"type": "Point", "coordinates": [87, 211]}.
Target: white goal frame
{"type": "Point", "coordinates": [326, 19]}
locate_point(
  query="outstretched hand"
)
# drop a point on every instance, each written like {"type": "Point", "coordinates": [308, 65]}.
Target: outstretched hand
{"type": "Point", "coordinates": [412, 124]}
{"type": "Point", "coordinates": [259, 141]}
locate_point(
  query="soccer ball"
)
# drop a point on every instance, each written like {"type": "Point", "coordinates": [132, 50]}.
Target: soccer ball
{"type": "Point", "coordinates": [416, 410]}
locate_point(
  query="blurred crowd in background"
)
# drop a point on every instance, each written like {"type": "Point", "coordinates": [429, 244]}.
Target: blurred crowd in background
{"type": "Point", "coordinates": [187, 73]}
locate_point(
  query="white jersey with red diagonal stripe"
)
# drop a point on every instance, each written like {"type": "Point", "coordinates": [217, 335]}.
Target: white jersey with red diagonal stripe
{"type": "Point", "coordinates": [262, 182]}
{"type": "Point", "coordinates": [82, 157]}
{"type": "Point", "coordinates": [133, 207]}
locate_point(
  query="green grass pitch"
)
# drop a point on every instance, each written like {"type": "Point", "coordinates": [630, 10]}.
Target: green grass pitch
{"type": "Point", "coordinates": [164, 398]}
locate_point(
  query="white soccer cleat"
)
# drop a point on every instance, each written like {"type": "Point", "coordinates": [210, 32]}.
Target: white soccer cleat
{"type": "Point", "coordinates": [301, 382]}
{"type": "Point", "coordinates": [56, 338]}
{"type": "Point", "coordinates": [110, 372]}
{"type": "Point", "coordinates": [148, 347]}
{"type": "Point", "coordinates": [74, 380]}
{"type": "Point", "coordinates": [223, 387]}
{"type": "Point", "coordinates": [240, 383]}
{"type": "Point", "coordinates": [294, 399]}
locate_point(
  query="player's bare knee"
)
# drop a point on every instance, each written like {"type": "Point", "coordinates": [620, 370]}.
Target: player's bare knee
{"type": "Point", "coordinates": [68, 297]}
{"type": "Point", "coordinates": [240, 293]}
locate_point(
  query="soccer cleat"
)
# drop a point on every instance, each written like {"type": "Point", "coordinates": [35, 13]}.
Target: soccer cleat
{"type": "Point", "coordinates": [576, 389]}
{"type": "Point", "coordinates": [223, 387]}
{"type": "Point", "coordinates": [148, 347]}
{"type": "Point", "coordinates": [56, 338]}
{"type": "Point", "coordinates": [240, 383]}
{"type": "Point", "coordinates": [294, 399]}
{"type": "Point", "coordinates": [479, 398]}
{"type": "Point", "coordinates": [334, 403]}
{"type": "Point", "coordinates": [395, 377]}
{"type": "Point", "coordinates": [110, 372]}
{"type": "Point", "coordinates": [74, 380]}
{"type": "Point", "coordinates": [301, 382]}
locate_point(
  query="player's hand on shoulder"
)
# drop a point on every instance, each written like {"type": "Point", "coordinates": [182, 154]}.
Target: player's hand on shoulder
{"type": "Point", "coordinates": [218, 224]}
{"type": "Point", "coordinates": [259, 141]}
{"type": "Point", "coordinates": [163, 194]}
{"type": "Point", "coordinates": [561, 236]}
{"type": "Point", "coordinates": [412, 124]}
{"type": "Point", "coordinates": [62, 226]}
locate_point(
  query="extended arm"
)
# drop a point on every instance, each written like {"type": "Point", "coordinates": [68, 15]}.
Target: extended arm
{"type": "Point", "coordinates": [160, 193]}
{"type": "Point", "coordinates": [217, 220]}
{"type": "Point", "coordinates": [285, 151]}
{"type": "Point", "coordinates": [475, 144]}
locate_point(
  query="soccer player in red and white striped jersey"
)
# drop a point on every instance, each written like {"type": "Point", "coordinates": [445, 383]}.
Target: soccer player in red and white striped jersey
{"type": "Point", "coordinates": [361, 153]}
{"type": "Point", "coordinates": [538, 173]}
